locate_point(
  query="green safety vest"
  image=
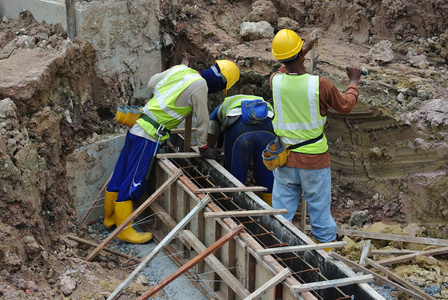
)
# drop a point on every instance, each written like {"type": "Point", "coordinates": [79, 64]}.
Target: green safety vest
{"type": "Point", "coordinates": [160, 108]}
{"type": "Point", "coordinates": [232, 105]}
{"type": "Point", "coordinates": [297, 112]}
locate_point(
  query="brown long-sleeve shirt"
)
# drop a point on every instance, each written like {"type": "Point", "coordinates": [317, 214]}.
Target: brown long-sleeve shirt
{"type": "Point", "coordinates": [329, 96]}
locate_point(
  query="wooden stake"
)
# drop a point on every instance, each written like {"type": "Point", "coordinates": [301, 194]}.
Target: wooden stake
{"type": "Point", "coordinates": [365, 251]}
{"type": "Point", "coordinates": [95, 201]}
{"type": "Point", "coordinates": [136, 213]}
{"type": "Point", "coordinates": [187, 133]}
{"type": "Point", "coordinates": [71, 20]}
{"type": "Point", "coordinates": [258, 293]}
{"type": "Point", "coordinates": [173, 233]}
{"type": "Point", "coordinates": [320, 285]}
{"type": "Point", "coordinates": [216, 245]}
{"type": "Point", "coordinates": [301, 248]}
{"type": "Point", "coordinates": [399, 280]}
{"type": "Point", "coordinates": [245, 213]}
{"type": "Point", "coordinates": [377, 277]}
{"type": "Point", "coordinates": [232, 189]}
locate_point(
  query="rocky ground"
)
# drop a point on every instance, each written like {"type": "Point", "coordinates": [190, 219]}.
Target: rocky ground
{"type": "Point", "coordinates": [389, 156]}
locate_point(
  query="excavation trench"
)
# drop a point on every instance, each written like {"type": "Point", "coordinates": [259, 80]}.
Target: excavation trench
{"type": "Point", "coordinates": [261, 232]}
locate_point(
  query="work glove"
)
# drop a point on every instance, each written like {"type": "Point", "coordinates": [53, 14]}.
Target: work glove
{"type": "Point", "coordinates": [210, 153]}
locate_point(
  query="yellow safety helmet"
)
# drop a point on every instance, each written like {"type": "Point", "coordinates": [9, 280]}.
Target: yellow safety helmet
{"type": "Point", "coordinates": [286, 44]}
{"type": "Point", "coordinates": [230, 71]}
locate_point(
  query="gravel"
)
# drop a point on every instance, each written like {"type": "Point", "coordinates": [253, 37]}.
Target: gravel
{"type": "Point", "coordinates": [157, 270]}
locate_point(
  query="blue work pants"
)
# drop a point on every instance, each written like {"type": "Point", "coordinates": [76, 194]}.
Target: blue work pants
{"type": "Point", "coordinates": [245, 142]}
{"type": "Point", "coordinates": [316, 184]}
{"type": "Point", "coordinates": [129, 177]}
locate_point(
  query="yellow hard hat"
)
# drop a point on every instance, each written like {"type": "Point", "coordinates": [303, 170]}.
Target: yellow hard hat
{"type": "Point", "coordinates": [286, 44]}
{"type": "Point", "coordinates": [230, 71]}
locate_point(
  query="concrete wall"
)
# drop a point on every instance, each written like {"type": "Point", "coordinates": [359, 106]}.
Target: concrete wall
{"type": "Point", "coordinates": [125, 34]}
{"type": "Point", "coordinates": [52, 12]}
{"type": "Point", "coordinates": [88, 168]}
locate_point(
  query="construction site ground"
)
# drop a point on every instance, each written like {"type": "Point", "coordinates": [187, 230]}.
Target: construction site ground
{"type": "Point", "coordinates": [389, 156]}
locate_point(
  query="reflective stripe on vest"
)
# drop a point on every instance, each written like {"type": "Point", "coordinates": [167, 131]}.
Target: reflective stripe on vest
{"type": "Point", "coordinates": [161, 107]}
{"type": "Point", "coordinates": [297, 112]}
{"type": "Point", "coordinates": [232, 106]}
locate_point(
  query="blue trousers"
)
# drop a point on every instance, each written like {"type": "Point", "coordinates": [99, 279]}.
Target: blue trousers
{"type": "Point", "coordinates": [316, 184]}
{"type": "Point", "coordinates": [245, 142]}
{"type": "Point", "coordinates": [130, 171]}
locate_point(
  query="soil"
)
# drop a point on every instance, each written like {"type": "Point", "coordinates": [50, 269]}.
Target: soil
{"type": "Point", "coordinates": [389, 157]}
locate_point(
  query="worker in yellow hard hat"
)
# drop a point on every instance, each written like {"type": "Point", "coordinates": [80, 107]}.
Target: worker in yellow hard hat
{"type": "Point", "coordinates": [301, 103]}
{"type": "Point", "coordinates": [176, 93]}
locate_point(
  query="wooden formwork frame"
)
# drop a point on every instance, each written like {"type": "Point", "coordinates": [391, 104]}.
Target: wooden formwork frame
{"type": "Point", "coordinates": [240, 256]}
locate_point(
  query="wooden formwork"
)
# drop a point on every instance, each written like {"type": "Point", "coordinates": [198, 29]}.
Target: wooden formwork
{"type": "Point", "coordinates": [237, 269]}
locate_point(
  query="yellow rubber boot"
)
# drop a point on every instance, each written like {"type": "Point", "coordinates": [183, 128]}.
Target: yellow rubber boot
{"type": "Point", "coordinates": [109, 217]}
{"type": "Point", "coordinates": [266, 197]}
{"type": "Point", "coordinates": [122, 211]}
{"type": "Point", "coordinates": [325, 249]}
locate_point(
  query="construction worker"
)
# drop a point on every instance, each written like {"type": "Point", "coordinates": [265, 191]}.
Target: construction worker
{"type": "Point", "coordinates": [301, 103]}
{"type": "Point", "coordinates": [176, 92]}
{"type": "Point", "coordinates": [244, 122]}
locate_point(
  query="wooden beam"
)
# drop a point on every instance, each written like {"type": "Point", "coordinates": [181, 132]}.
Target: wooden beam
{"type": "Point", "coordinates": [365, 250]}
{"type": "Point", "coordinates": [269, 284]}
{"type": "Point", "coordinates": [232, 189]}
{"type": "Point", "coordinates": [216, 245]}
{"type": "Point", "coordinates": [71, 20]}
{"type": "Point", "coordinates": [178, 155]}
{"type": "Point", "coordinates": [187, 133]}
{"type": "Point", "coordinates": [180, 130]}
{"type": "Point", "coordinates": [403, 258]}
{"type": "Point", "coordinates": [399, 280]}
{"type": "Point", "coordinates": [173, 233]}
{"type": "Point", "coordinates": [303, 213]}
{"type": "Point", "coordinates": [392, 252]}
{"type": "Point", "coordinates": [245, 213]}
{"type": "Point", "coordinates": [92, 244]}
{"type": "Point", "coordinates": [357, 267]}
{"type": "Point", "coordinates": [95, 200]}
{"type": "Point", "coordinates": [392, 237]}
{"type": "Point", "coordinates": [136, 213]}
{"type": "Point", "coordinates": [217, 265]}
{"type": "Point", "coordinates": [301, 248]}
{"type": "Point", "coordinates": [320, 285]}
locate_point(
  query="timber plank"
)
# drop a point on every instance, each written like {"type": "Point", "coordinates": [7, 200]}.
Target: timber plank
{"type": "Point", "coordinates": [331, 283]}
{"type": "Point", "coordinates": [392, 237]}
{"type": "Point", "coordinates": [377, 277]}
{"type": "Point", "coordinates": [232, 189]}
{"type": "Point", "coordinates": [301, 248]}
{"type": "Point", "coordinates": [245, 213]}
{"type": "Point", "coordinates": [399, 280]}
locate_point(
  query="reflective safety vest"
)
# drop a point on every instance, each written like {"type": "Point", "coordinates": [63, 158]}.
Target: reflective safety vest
{"type": "Point", "coordinates": [297, 112]}
{"type": "Point", "coordinates": [232, 106]}
{"type": "Point", "coordinates": [160, 108]}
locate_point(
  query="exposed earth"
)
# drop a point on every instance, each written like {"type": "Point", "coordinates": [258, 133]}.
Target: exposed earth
{"type": "Point", "coordinates": [389, 156]}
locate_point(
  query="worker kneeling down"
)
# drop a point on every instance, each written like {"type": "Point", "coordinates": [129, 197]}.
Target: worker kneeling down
{"type": "Point", "coordinates": [275, 155]}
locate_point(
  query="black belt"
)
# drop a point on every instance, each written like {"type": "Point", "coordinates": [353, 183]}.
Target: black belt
{"type": "Point", "coordinates": [153, 123]}
{"type": "Point", "coordinates": [306, 142]}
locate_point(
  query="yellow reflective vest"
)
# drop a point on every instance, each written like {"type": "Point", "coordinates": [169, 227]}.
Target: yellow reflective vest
{"type": "Point", "coordinates": [160, 108]}
{"type": "Point", "coordinates": [297, 112]}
